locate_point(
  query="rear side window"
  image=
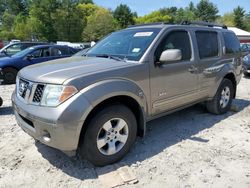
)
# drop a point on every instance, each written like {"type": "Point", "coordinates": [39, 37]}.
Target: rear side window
{"type": "Point", "coordinates": [176, 40]}
{"type": "Point", "coordinates": [64, 50]}
{"type": "Point", "coordinates": [232, 43]}
{"type": "Point", "coordinates": [208, 44]}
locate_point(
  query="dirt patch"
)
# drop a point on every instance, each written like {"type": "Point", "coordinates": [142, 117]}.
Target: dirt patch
{"type": "Point", "coordinates": [190, 148]}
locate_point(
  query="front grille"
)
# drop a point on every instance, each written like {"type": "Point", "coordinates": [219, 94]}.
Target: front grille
{"type": "Point", "coordinates": [30, 92]}
{"type": "Point", "coordinates": [22, 88]}
{"type": "Point", "coordinates": [38, 93]}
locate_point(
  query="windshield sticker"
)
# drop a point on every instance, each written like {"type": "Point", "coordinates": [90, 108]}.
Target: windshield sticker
{"type": "Point", "coordinates": [143, 34]}
{"type": "Point", "coordinates": [136, 50]}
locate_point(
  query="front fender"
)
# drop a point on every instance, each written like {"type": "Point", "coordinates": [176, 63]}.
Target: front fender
{"type": "Point", "coordinates": [102, 90]}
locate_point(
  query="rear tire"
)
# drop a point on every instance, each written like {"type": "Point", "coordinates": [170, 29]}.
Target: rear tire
{"type": "Point", "coordinates": [221, 103]}
{"type": "Point", "coordinates": [1, 101]}
{"type": "Point", "coordinates": [9, 75]}
{"type": "Point", "coordinates": [109, 135]}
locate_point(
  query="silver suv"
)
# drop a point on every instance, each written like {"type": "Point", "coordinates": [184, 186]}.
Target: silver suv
{"type": "Point", "coordinates": [98, 103]}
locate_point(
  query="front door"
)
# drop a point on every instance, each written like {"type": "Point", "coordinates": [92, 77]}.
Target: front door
{"type": "Point", "coordinates": [173, 84]}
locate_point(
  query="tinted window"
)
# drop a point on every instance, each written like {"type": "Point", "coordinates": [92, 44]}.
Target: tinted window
{"type": "Point", "coordinates": [175, 40]}
{"type": "Point", "coordinates": [232, 43]}
{"type": "Point", "coordinates": [64, 50]}
{"type": "Point", "coordinates": [46, 52]}
{"type": "Point", "coordinates": [36, 53]}
{"type": "Point", "coordinates": [56, 52]}
{"type": "Point", "coordinates": [208, 45]}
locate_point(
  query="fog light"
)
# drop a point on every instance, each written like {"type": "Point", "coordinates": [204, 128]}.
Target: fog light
{"type": "Point", "coordinates": [46, 136]}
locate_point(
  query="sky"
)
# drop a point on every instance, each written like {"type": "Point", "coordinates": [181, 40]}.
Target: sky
{"type": "Point", "coordinates": [143, 7]}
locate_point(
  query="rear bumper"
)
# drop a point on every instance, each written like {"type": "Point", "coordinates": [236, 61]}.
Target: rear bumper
{"type": "Point", "coordinates": [58, 127]}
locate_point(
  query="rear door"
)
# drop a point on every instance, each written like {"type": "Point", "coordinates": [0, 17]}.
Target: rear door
{"type": "Point", "coordinates": [209, 48]}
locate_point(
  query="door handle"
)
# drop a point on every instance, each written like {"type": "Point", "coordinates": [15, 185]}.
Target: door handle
{"type": "Point", "coordinates": [192, 69]}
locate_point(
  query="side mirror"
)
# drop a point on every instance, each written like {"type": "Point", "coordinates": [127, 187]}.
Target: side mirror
{"type": "Point", "coordinates": [29, 57]}
{"type": "Point", "coordinates": [170, 55]}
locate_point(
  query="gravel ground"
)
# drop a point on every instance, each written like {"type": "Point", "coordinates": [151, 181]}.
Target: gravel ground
{"type": "Point", "coordinates": [190, 148]}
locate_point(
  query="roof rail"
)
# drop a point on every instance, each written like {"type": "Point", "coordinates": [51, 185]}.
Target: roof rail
{"type": "Point", "coordinates": [201, 23]}
{"type": "Point", "coordinates": [157, 23]}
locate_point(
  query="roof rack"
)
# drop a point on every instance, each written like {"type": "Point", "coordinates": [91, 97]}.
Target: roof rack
{"type": "Point", "coordinates": [157, 23]}
{"type": "Point", "coordinates": [208, 24]}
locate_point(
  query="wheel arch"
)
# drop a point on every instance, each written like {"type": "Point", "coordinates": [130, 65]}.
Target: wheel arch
{"type": "Point", "coordinates": [115, 92]}
{"type": "Point", "coordinates": [232, 78]}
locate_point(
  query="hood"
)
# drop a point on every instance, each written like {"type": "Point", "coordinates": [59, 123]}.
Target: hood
{"type": "Point", "coordinates": [58, 71]}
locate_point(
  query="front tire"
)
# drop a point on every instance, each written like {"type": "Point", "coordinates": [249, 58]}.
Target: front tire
{"type": "Point", "coordinates": [109, 135]}
{"type": "Point", "coordinates": [221, 103]}
{"type": "Point", "coordinates": [9, 75]}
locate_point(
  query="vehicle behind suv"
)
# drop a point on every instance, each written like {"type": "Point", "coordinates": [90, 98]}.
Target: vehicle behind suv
{"type": "Point", "coordinates": [15, 47]}
{"type": "Point", "coordinates": [32, 55]}
{"type": "Point", "coordinates": [99, 102]}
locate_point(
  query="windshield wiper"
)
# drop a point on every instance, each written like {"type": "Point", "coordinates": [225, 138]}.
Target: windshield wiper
{"type": "Point", "coordinates": [110, 57]}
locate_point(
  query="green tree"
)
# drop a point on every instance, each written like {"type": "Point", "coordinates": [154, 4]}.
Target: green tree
{"type": "Point", "coordinates": [227, 19]}
{"type": "Point", "coordinates": [155, 16]}
{"type": "Point", "coordinates": [206, 11]}
{"type": "Point", "coordinates": [247, 21]}
{"type": "Point", "coordinates": [124, 16]}
{"type": "Point", "coordinates": [239, 14]}
{"type": "Point", "coordinates": [171, 12]}
{"type": "Point", "coordinates": [184, 15]}
{"type": "Point", "coordinates": [67, 23]}
{"type": "Point", "coordinates": [99, 24]}
{"type": "Point", "coordinates": [7, 21]}
{"type": "Point", "coordinates": [43, 10]}
{"type": "Point", "coordinates": [85, 2]}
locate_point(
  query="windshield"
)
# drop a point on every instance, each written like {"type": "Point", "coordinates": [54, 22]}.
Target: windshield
{"type": "Point", "coordinates": [127, 44]}
{"type": "Point", "coordinates": [23, 52]}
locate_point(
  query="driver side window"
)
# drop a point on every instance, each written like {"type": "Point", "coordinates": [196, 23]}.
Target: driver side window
{"type": "Point", "coordinates": [175, 40]}
{"type": "Point", "coordinates": [36, 53]}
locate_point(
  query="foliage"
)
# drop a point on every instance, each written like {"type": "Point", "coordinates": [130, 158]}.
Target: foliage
{"type": "Point", "coordinates": [99, 24]}
{"type": "Point", "coordinates": [123, 16]}
{"type": "Point", "coordinates": [239, 14]}
{"type": "Point", "coordinates": [227, 19]}
{"type": "Point", "coordinates": [78, 20]}
{"type": "Point", "coordinates": [206, 11]}
{"type": "Point", "coordinates": [155, 16]}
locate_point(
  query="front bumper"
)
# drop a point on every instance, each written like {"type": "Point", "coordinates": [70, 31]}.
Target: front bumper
{"type": "Point", "coordinates": [58, 127]}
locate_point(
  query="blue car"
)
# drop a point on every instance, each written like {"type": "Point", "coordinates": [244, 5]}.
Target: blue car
{"type": "Point", "coordinates": [32, 55]}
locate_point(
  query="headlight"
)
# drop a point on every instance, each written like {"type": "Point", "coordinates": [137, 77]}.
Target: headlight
{"type": "Point", "coordinates": [54, 95]}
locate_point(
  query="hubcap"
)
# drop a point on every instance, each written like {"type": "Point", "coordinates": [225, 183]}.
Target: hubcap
{"type": "Point", "coordinates": [112, 136]}
{"type": "Point", "coordinates": [225, 97]}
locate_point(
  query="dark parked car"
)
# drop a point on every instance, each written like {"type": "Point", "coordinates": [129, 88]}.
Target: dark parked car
{"type": "Point", "coordinates": [12, 64]}
{"type": "Point", "coordinates": [13, 48]}
{"type": "Point", "coordinates": [245, 48]}
{"type": "Point", "coordinates": [246, 65]}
